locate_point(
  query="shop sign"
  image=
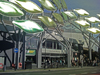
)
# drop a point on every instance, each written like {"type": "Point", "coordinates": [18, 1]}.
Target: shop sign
{"type": "Point", "coordinates": [30, 52]}
{"type": "Point", "coordinates": [51, 51]}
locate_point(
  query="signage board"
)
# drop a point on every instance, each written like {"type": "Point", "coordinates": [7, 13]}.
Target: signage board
{"type": "Point", "coordinates": [31, 52]}
{"type": "Point", "coordinates": [16, 50]}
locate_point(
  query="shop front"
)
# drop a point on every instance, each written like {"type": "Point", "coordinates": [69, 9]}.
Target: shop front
{"type": "Point", "coordinates": [53, 57]}
{"type": "Point", "coordinates": [30, 58]}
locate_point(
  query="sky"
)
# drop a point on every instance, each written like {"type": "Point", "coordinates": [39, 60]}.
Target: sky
{"type": "Point", "coordinates": [91, 6]}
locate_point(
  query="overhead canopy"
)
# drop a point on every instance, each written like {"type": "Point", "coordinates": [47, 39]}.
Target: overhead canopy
{"type": "Point", "coordinates": [76, 41]}
{"type": "Point", "coordinates": [47, 5]}
{"type": "Point", "coordinates": [54, 34]}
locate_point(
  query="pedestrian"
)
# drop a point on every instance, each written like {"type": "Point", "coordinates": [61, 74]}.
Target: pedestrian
{"type": "Point", "coordinates": [60, 62]}
{"type": "Point", "coordinates": [81, 63]}
{"type": "Point", "coordinates": [48, 63]}
{"type": "Point", "coordinates": [91, 62]}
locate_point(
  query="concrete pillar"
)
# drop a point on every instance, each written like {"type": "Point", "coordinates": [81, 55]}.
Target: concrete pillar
{"type": "Point", "coordinates": [72, 55]}
{"type": "Point", "coordinates": [24, 51]}
{"type": "Point", "coordinates": [69, 57]}
{"type": "Point", "coordinates": [39, 52]}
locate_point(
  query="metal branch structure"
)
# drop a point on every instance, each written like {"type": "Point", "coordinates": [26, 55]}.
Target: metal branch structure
{"type": "Point", "coordinates": [59, 15]}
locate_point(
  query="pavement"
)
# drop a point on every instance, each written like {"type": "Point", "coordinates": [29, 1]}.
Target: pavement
{"type": "Point", "coordinates": [48, 69]}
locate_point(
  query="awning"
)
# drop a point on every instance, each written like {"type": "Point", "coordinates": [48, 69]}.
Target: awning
{"type": "Point", "coordinates": [55, 35]}
{"type": "Point", "coordinates": [52, 56]}
{"type": "Point", "coordinates": [76, 41]}
{"type": "Point", "coordinates": [74, 51]}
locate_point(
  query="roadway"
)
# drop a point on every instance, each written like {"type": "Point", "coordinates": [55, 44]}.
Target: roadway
{"type": "Point", "coordinates": [62, 71]}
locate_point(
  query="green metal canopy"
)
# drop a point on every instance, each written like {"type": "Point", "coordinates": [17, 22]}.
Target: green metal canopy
{"type": "Point", "coordinates": [81, 12]}
{"type": "Point", "coordinates": [29, 6]}
{"type": "Point", "coordinates": [28, 26]}
{"type": "Point", "coordinates": [93, 19]}
{"type": "Point", "coordinates": [64, 16]}
{"type": "Point", "coordinates": [58, 17]}
{"type": "Point", "coordinates": [63, 4]}
{"type": "Point", "coordinates": [93, 30]}
{"type": "Point", "coordinates": [70, 14]}
{"type": "Point", "coordinates": [47, 5]}
{"type": "Point", "coordinates": [47, 21]}
{"type": "Point", "coordinates": [9, 9]}
{"type": "Point", "coordinates": [57, 3]}
{"type": "Point", "coordinates": [98, 15]}
{"type": "Point", "coordinates": [82, 23]}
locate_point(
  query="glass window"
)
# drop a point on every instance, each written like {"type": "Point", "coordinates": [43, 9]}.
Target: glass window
{"type": "Point", "coordinates": [31, 43]}
{"type": "Point", "coordinates": [58, 46]}
{"type": "Point", "coordinates": [54, 45]}
{"type": "Point", "coordinates": [49, 44]}
{"type": "Point", "coordinates": [75, 46]}
{"type": "Point", "coordinates": [43, 45]}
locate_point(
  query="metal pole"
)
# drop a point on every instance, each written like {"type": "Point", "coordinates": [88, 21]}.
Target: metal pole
{"type": "Point", "coordinates": [90, 53]}
{"type": "Point", "coordinates": [17, 61]}
{"type": "Point", "coordinates": [45, 54]}
{"type": "Point", "coordinates": [69, 57]}
{"type": "Point", "coordinates": [45, 51]}
{"type": "Point", "coordinates": [99, 47]}
{"type": "Point", "coordinates": [90, 56]}
{"type": "Point", "coordinates": [24, 49]}
{"type": "Point", "coordinates": [4, 68]}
